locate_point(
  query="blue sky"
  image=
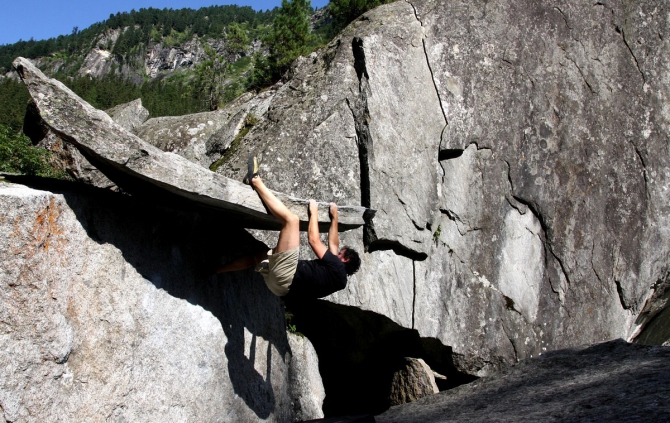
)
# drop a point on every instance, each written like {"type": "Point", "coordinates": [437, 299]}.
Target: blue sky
{"type": "Point", "coordinates": [42, 19]}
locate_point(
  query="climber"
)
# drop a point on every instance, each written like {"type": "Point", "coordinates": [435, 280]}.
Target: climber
{"type": "Point", "coordinates": [284, 274]}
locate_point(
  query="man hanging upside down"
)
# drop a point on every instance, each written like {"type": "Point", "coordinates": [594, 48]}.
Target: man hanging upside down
{"type": "Point", "coordinates": [284, 274]}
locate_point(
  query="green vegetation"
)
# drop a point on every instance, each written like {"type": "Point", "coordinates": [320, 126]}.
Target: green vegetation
{"type": "Point", "coordinates": [290, 326]}
{"type": "Point", "coordinates": [289, 38]}
{"type": "Point", "coordinates": [436, 234]}
{"type": "Point", "coordinates": [14, 97]}
{"type": "Point", "coordinates": [142, 26]}
{"type": "Point", "coordinates": [345, 11]}
{"type": "Point", "coordinates": [18, 155]}
{"type": "Point", "coordinates": [290, 34]}
{"type": "Point", "coordinates": [210, 75]}
{"type": "Point", "coordinates": [173, 96]}
{"type": "Point", "coordinates": [105, 92]}
{"type": "Point", "coordinates": [236, 39]}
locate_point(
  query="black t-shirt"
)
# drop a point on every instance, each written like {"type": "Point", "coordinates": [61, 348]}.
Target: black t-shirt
{"type": "Point", "coordinates": [318, 278]}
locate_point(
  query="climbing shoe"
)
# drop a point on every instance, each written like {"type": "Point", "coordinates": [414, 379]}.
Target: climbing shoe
{"type": "Point", "coordinates": [252, 169]}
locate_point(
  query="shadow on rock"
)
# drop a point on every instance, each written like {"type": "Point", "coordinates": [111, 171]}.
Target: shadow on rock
{"type": "Point", "coordinates": [176, 248]}
{"type": "Point", "coordinates": [359, 351]}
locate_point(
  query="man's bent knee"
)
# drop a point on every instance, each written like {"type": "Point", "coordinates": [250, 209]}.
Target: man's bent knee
{"type": "Point", "coordinates": [292, 219]}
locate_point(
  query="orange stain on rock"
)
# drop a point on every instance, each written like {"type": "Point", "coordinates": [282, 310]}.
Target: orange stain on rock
{"type": "Point", "coordinates": [46, 225]}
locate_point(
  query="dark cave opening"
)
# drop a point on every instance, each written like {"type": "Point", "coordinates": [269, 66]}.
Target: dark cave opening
{"type": "Point", "coordinates": [359, 351]}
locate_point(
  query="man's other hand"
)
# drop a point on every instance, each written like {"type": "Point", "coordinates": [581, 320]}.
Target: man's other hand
{"type": "Point", "coordinates": [333, 211]}
{"type": "Point", "coordinates": [313, 208]}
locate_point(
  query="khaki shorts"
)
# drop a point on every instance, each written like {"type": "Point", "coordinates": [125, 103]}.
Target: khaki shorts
{"type": "Point", "coordinates": [278, 270]}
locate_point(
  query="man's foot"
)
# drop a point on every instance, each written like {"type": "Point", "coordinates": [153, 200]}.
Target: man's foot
{"type": "Point", "coordinates": [252, 169]}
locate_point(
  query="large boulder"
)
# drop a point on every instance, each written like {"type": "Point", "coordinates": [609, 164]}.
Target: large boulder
{"type": "Point", "coordinates": [554, 214]}
{"type": "Point", "coordinates": [516, 156]}
{"type": "Point", "coordinates": [109, 311]}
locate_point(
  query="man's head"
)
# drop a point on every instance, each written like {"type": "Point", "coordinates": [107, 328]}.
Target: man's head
{"type": "Point", "coordinates": [351, 260]}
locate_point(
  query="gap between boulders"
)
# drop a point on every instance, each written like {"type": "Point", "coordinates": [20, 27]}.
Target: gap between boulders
{"type": "Point", "coordinates": [360, 351]}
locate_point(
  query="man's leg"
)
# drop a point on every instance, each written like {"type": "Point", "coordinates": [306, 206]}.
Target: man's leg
{"type": "Point", "coordinates": [289, 235]}
{"type": "Point", "coordinates": [242, 263]}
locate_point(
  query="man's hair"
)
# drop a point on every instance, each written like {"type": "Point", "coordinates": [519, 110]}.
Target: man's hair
{"type": "Point", "coordinates": [354, 261]}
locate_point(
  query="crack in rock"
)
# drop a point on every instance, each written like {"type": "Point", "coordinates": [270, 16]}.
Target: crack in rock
{"type": "Point", "coordinates": [644, 171]}
{"type": "Point", "coordinates": [620, 31]}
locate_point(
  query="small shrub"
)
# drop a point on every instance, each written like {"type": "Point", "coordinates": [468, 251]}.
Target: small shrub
{"type": "Point", "coordinates": [436, 234]}
{"type": "Point", "coordinates": [18, 155]}
{"type": "Point", "coordinates": [290, 326]}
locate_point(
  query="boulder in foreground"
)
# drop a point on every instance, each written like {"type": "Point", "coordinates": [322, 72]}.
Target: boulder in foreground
{"type": "Point", "coordinates": [612, 381]}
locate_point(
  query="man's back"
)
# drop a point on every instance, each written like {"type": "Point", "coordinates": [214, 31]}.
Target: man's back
{"type": "Point", "coordinates": [319, 278]}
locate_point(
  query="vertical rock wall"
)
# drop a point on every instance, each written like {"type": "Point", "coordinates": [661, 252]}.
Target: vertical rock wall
{"type": "Point", "coordinates": [558, 202]}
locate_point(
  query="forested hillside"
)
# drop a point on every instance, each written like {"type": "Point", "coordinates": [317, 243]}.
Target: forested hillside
{"type": "Point", "coordinates": [143, 27]}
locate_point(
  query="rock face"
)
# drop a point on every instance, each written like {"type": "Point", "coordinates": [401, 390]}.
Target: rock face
{"type": "Point", "coordinates": [614, 381]}
{"type": "Point", "coordinates": [305, 381]}
{"type": "Point", "coordinates": [160, 59]}
{"type": "Point", "coordinates": [108, 312]}
{"type": "Point", "coordinates": [153, 60]}
{"type": "Point", "coordinates": [555, 215]}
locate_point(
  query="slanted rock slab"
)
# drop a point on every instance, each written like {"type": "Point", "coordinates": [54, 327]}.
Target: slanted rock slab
{"type": "Point", "coordinates": [112, 148]}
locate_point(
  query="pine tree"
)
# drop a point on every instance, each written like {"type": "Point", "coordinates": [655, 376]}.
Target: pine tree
{"type": "Point", "coordinates": [210, 75]}
{"type": "Point", "coordinates": [345, 11]}
{"type": "Point", "coordinates": [236, 41]}
{"type": "Point", "coordinates": [290, 34]}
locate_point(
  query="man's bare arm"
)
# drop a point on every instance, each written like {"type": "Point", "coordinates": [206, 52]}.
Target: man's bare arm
{"type": "Point", "coordinates": [333, 234]}
{"type": "Point", "coordinates": [313, 235]}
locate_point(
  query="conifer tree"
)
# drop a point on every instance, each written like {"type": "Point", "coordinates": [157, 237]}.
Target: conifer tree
{"type": "Point", "coordinates": [236, 41]}
{"type": "Point", "coordinates": [290, 34]}
{"type": "Point", "coordinates": [345, 11]}
{"type": "Point", "coordinates": [210, 75]}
